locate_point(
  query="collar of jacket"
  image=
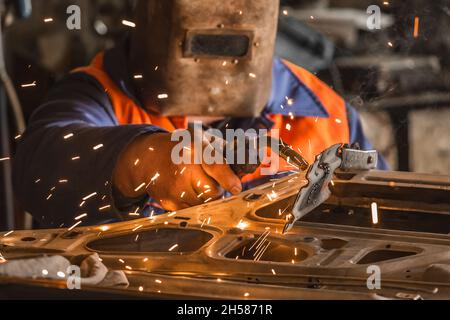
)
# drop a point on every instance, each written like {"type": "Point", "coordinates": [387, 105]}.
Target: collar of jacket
{"type": "Point", "coordinates": [289, 96]}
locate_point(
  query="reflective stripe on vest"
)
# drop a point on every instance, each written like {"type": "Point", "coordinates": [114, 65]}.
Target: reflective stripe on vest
{"type": "Point", "coordinates": [307, 135]}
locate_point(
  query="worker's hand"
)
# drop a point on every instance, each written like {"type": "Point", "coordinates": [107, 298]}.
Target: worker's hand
{"type": "Point", "coordinates": [145, 166]}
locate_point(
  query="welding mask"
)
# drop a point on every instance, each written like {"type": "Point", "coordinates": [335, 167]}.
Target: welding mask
{"type": "Point", "coordinates": [204, 57]}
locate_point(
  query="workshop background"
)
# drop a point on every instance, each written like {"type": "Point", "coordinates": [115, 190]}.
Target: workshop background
{"type": "Point", "coordinates": [398, 77]}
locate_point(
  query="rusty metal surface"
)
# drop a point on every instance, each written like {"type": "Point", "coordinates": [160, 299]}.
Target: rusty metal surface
{"type": "Point", "coordinates": [234, 248]}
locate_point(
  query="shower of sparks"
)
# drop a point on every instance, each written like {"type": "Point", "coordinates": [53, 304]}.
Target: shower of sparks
{"type": "Point", "coordinates": [128, 23]}
{"type": "Point", "coordinates": [81, 216]}
{"type": "Point", "coordinates": [8, 233]}
{"type": "Point", "coordinates": [416, 27]}
{"type": "Point", "coordinates": [5, 159]}
{"type": "Point", "coordinates": [74, 226]}
{"type": "Point", "coordinates": [99, 146]}
{"type": "Point", "coordinates": [173, 247]}
{"type": "Point", "coordinates": [89, 196]}
{"type": "Point", "coordinates": [27, 85]}
{"type": "Point", "coordinates": [163, 96]}
{"type": "Point", "coordinates": [68, 136]}
{"type": "Point", "coordinates": [137, 228]}
{"type": "Point", "coordinates": [374, 208]}
{"type": "Point", "coordinates": [104, 207]}
{"type": "Point", "coordinates": [139, 187]}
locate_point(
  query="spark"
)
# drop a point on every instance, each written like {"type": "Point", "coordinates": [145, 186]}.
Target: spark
{"type": "Point", "coordinates": [203, 223]}
{"type": "Point", "coordinates": [182, 194]}
{"type": "Point", "coordinates": [27, 85]}
{"type": "Point", "coordinates": [104, 207]}
{"type": "Point", "coordinates": [98, 146]}
{"type": "Point", "coordinates": [121, 261]}
{"type": "Point", "coordinates": [68, 136]}
{"type": "Point", "coordinates": [252, 75]}
{"type": "Point", "coordinates": [291, 115]}
{"type": "Point", "coordinates": [138, 76]}
{"type": "Point", "coordinates": [151, 149]}
{"type": "Point", "coordinates": [242, 225]}
{"type": "Point", "coordinates": [81, 216]}
{"type": "Point", "coordinates": [200, 195]}
{"type": "Point", "coordinates": [128, 267]}
{"type": "Point", "coordinates": [49, 196]}
{"type": "Point", "coordinates": [163, 96]}
{"type": "Point", "coordinates": [209, 220]}
{"type": "Point", "coordinates": [158, 281]}
{"type": "Point", "coordinates": [74, 226]}
{"type": "Point", "coordinates": [82, 203]}
{"type": "Point", "coordinates": [141, 288]}
{"type": "Point", "coordinates": [295, 251]}
{"type": "Point", "coordinates": [90, 196]}
{"type": "Point", "coordinates": [312, 17]}
{"type": "Point", "coordinates": [339, 121]}
{"type": "Point", "coordinates": [274, 273]}
{"type": "Point", "coordinates": [5, 159]}
{"type": "Point", "coordinates": [208, 200]}
{"type": "Point", "coordinates": [145, 260]}
{"type": "Point", "coordinates": [416, 27]}
{"type": "Point", "coordinates": [137, 228]}
{"type": "Point", "coordinates": [156, 176]}
{"type": "Point", "coordinates": [63, 181]}
{"type": "Point", "coordinates": [128, 23]}
{"type": "Point", "coordinates": [45, 272]}
{"type": "Point", "coordinates": [136, 162]}
{"type": "Point", "coordinates": [17, 137]}
{"type": "Point", "coordinates": [61, 274]}
{"type": "Point", "coordinates": [139, 187]}
{"type": "Point", "coordinates": [76, 158]}
{"type": "Point", "coordinates": [104, 228]}
{"type": "Point", "coordinates": [386, 3]}
{"type": "Point", "coordinates": [246, 294]}
{"type": "Point", "coordinates": [285, 12]}
{"type": "Point", "coordinates": [374, 208]}
{"type": "Point", "coordinates": [390, 44]}
{"type": "Point", "coordinates": [219, 280]}
{"type": "Point", "coordinates": [46, 20]}
{"type": "Point", "coordinates": [288, 126]}
{"type": "Point", "coordinates": [173, 247]}
{"type": "Point", "coordinates": [199, 183]}
{"type": "Point", "coordinates": [8, 233]}
{"type": "Point", "coordinates": [172, 214]}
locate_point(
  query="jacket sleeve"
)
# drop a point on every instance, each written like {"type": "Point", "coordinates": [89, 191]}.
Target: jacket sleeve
{"type": "Point", "coordinates": [63, 166]}
{"type": "Point", "coordinates": [357, 135]}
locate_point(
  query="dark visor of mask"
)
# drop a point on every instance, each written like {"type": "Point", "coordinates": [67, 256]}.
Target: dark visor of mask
{"type": "Point", "coordinates": [206, 45]}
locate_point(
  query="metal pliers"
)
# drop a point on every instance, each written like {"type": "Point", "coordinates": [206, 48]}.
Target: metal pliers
{"type": "Point", "coordinates": [320, 175]}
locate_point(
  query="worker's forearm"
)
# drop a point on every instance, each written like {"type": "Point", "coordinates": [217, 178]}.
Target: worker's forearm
{"type": "Point", "coordinates": [62, 172]}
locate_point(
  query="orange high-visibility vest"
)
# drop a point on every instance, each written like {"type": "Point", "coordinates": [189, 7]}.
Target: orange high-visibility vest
{"type": "Point", "coordinates": [307, 135]}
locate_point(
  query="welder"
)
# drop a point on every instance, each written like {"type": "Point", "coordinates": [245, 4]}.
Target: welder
{"type": "Point", "coordinates": [106, 128]}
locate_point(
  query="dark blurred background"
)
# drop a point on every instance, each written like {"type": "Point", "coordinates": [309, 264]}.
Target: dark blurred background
{"type": "Point", "coordinates": [397, 79]}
